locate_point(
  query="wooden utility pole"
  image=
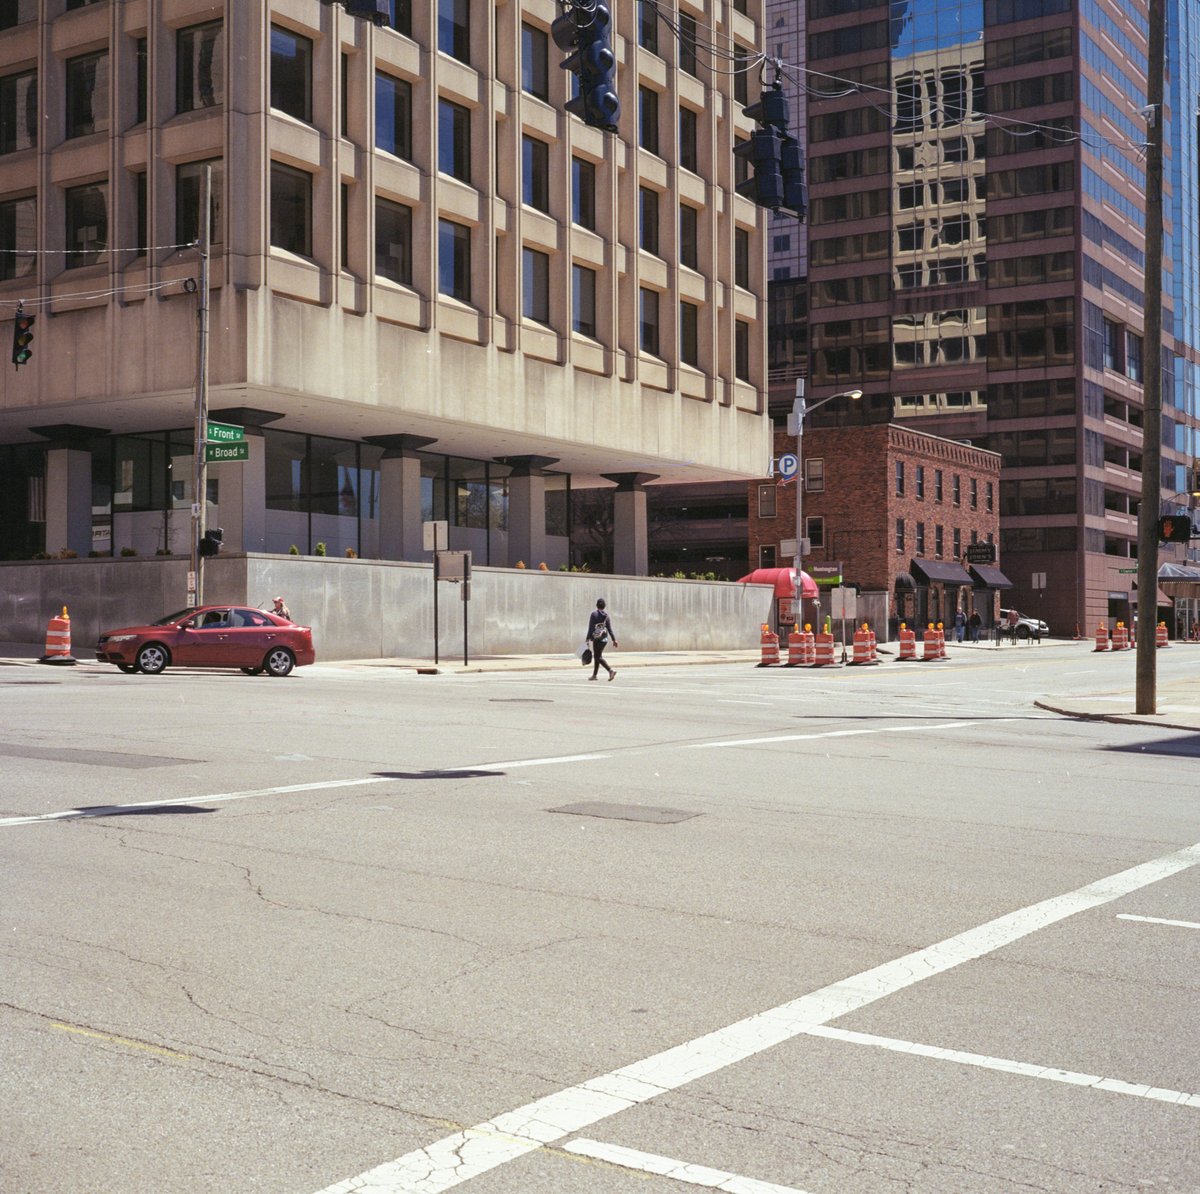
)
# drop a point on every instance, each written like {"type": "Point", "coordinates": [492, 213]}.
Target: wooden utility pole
{"type": "Point", "coordinates": [1147, 573]}
{"type": "Point", "coordinates": [195, 596]}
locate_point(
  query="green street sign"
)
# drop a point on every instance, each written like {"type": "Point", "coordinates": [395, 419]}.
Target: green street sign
{"type": "Point", "coordinates": [1126, 569]}
{"type": "Point", "coordinates": [222, 453]}
{"type": "Point", "coordinates": [225, 433]}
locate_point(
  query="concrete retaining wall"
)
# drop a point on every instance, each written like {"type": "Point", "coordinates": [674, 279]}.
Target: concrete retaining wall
{"type": "Point", "coordinates": [368, 609]}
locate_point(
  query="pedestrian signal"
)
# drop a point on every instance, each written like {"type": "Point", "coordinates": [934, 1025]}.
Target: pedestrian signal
{"type": "Point", "coordinates": [1175, 528]}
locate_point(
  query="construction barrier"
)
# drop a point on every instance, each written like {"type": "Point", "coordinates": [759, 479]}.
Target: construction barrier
{"type": "Point", "coordinates": [808, 646]}
{"type": "Point", "coordinates": [1101, 638]}
{"type": "Point", "coordinates": [874, 646]}
{"type": "Point", "coordinates": [908, 643]}
{"type": "Point", "coordinates": [823, 648]}
{"type": "Point", "coordinates": [933, 645]}
{"type": "Point", "coordinates": [862, 646]}
{"type": "Point", "coordinates": [1160, 636]}
{"type": "Point", "coordinates": [770, 647]}
{"type": "Point", "coordinates": [58, 640]}
{"type": "Point", "coordinates": [1120, 640]}
{"type": "Point", "coordinates": [795, 648]}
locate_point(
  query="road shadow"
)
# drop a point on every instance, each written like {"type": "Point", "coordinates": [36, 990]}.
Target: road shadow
{"type": "Point", "coordinates": [150, 810]}
{"type": "Point", "coordinates": [1186, 746]}
{"type": "Point", "coordinates": [463, 773]}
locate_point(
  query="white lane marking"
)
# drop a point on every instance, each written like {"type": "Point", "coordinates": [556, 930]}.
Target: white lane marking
{"type": "Point", "coordinates": [1024, 1068]}
{"type": "Point", "coordinates": [108, 810]}
{"type": "Point", "coordinates": [468, 1153]}
{"type": "Point", "coordinates": [1158, 920]}
{"type": "Point", "coordinates": [908, 729]}
{"type": "Point", "coordinates": [524, 763]}
{"type": "Point", "coordinates": [681, 1171]}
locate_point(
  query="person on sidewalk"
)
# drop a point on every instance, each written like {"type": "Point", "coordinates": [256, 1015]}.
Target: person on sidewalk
{"type": "Point", "coordinates": [280, 610]}
{"type": "Point", "coordinates": [960, 625]}
{"type": "Point", "coordinates": [600, 630]}
{"type": "Point", "coordinates": [974, 624]}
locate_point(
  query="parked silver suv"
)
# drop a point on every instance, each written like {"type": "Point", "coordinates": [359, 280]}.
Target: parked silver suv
{"type": "Point", "coordinates": [1027, 627]}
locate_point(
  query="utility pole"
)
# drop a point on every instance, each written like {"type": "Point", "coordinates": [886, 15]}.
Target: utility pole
{"type": "Point", "coordinates": [1147, 572]}
{"type": "Point", "coordinates": [200, 495]}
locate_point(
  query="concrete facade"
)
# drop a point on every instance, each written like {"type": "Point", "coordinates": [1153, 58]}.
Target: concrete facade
{"type": "Point", "coordinates": [347, 160]}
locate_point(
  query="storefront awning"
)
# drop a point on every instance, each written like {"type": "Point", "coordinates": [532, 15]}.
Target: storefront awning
{"type": "Point", "coordinates": [988, 578]}
{"type": "Point", "coordinates": [944, 572]}
{"type": "Point", "coordinates": [1179, 580]}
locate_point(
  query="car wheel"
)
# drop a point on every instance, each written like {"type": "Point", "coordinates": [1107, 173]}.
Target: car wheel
{"type": "Point", "coordinates": [1022, 632]}
{"type": "Point", "coordinates": [127, 668]}
{"type": "Point", "coordinates": [152, 658]}
{"type": "Point", "coordinates": [279, 661]}
{"type": "Point", "coordinates": [252, 671]}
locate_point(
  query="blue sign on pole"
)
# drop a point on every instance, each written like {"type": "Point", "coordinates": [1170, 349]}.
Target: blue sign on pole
{"type": "Point", "coordinates": [789, 464]}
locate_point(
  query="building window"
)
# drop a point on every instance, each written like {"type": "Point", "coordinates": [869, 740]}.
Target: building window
{"type": "Point", "coordinates": [18, 238]}
{"type": "Point", "coordinates": [900, 535]}
{"type": "Point", "coordinates": [189, 189]}
{"type": "Point", "coordinates": [989, 499]}
{"type": "Point", "coordinates": [1133, 356]}
{"type": "Point", "coordinates": [87, 223]}
{"type": "Point", "coordinates": [393, 115]}
{"type": "Point", "coordinates": [454, 140]}
{"type": "Point", "coordinates": [689, 334]}
{"type": "Point", "coordinates": [141, 55]}
{"type": "Point", "coordinates": [741, 350]}
{"type": "Point", "coordinates": [957, 542]}
{"type": "Point", "coordinates": [689, 236]}
{"type": "Point", "coordinates": [814, 532]}
{"type": "Point", "coordinates": [648, 321]}
{"type": "Point", "coordinates": [583, 301]}
{"type": "Point", "coordinates": [17, 12]}
{"type": "Point", "coordinates": [814, 475]}
{"type": "Point", "coordinates": [741, 258]}
{"type": "Point", "coordinates": [200, 67]}
{"type": "Point", "coordinates": [688, 33]}
{"type": "Point", "coordinates": [648, 219]}
{"type": "Point", "coordinates": [18, 112]}
{"type": "Point", "coordinates": [141, 200]}
{"type": "Point", "coordinates": [87, 94]}
{"type": "Point", "coordinates": [454, 28]}
{"type": "Point", "coordinates": [920, 487]}
{"type": "Point", "coordinates": [1112, 344]}
{"type": "Point", "coordinates": [937, 484]}
{"type": "Point", "coordinates": [535, 292]}
{"type": "Point", "coordinates": [393, 241]}
{"type": "Point", "coordinates": [648, 25]}
{"type": "Point", "coordinates": [648, 119]}
{"type": "Point", "coordinates": [400, 16]}
{"type": "Point", "coordinates": [956, 490]}
{"type": "Point", "coordinates": [899, 478]}
{"type": "Point", "coordinates": [974, 494]}
{"type": "Point", "coordinates": [344, 214]}
{"type": "Point", "coordinates": [454, 260]}
{"type": "Point", "coordinates": [766, 555]}
{"type": "Point", "coordinates": [920, 540]}
{"type": "Point", "coordinates": [291, 74]}
{"type": "Point", "coordinates": [535, 173]}
{"type": "Point", "coordinates": [583, 193]}
{"type": "Point", "coordinates": [689, 140]}
{"type": "Point", "coordinates": [766, 501]}
{"type": "Point", "coordinates": [535, 62]}
{"type": "Point", "coordinates": [938, 541]}
{"type": "Point", "coordinates": [291, 210]}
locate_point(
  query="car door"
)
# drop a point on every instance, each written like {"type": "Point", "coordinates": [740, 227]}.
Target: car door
{"type": "Point", "coordinates": [249, 635]}
{"type": "Point", "coordinates": [204, 640]}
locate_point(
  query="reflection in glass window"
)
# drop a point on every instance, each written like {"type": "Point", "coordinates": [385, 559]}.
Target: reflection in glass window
{"type": "Point", "coordinates": [18, 237]}
{"type": "Point", "coordinates": [393, 115]}
{"type": "Point", "coordinates": [87, 223]}
{"type": "Point", "coordinates": [583, 300]}
{"type": "Point", "coordinates": [291, 74]}
{"type": "Point", "coordinates": [291, 209]}
{"type": "Point", "coordinates": [87, 94]}
{"type": "Point", "coordinates": [200, 67]}
{"type": "Point", "coordinates": [189, 190]}
{"type": "Point", "coordinates": [535, 58]}
{"type": "Point", "coordinates": [18, 112]}
{"type": "Point", "coordinates": [393, 241]}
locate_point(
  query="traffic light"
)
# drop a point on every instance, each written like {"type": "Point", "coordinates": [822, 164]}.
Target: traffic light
{"type": "Point", "coordinates": [22, 336]}
{"type": "Point", "coordinates": [583, 29]}
{"type": "Point", "coordinates": [376, 11]}
{"type": "Point", "coordinates": [775, 159]}
{"type": "Point", "coordinates": [210, 542]}
{"type": "Point", "coordinates": [1175, 528]}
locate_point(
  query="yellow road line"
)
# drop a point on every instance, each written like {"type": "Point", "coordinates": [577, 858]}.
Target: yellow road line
{"type": "Point", "coordinates": [121, 1040]}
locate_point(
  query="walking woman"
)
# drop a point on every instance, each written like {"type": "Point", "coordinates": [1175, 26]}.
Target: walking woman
{"type": "Point", "coordinates": [600, 630]}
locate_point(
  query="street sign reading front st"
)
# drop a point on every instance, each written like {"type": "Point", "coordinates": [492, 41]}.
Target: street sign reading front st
{"type": "Point", "coordinates": [223, 453]}
{"type": "Point", "coordinates": [225, 433]}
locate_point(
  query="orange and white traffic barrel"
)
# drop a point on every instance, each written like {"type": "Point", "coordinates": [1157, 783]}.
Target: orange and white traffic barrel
{"type": "Point", "coordinates": [941, 639]}
{"type": "Point", "coordinates": [862, 646]}
{"type": "Point", "coordinates": [58, 640]}
{"type": "Point", "coordinates": [823, 647]}
{"type": "Point", "coordinates": [1101, 638]}
{"type": "Point", "coordinates": [929, 644]}
{"type": "Point", "coordinates": [808, 646]}
{"type": "Point", "coordinates": [795, 647]}
{"type": "Point", "coordinates": [874, 645]}
{"type": "Point", "coordinates": [769, 644]}
{"type": "Point", "coordinates": [1160, 635]}
{"type": "Point", "coordinates": [908, 643]}
{"type": "Point", "coordinates": [1120, 637]}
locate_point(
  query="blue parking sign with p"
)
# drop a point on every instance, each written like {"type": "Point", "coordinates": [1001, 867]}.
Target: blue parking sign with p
{"type": "Point", "coordinates": [789, 464]}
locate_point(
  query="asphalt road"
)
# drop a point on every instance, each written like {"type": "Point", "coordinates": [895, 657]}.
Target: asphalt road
{"type": "Point", "coordinates": [758, 931]}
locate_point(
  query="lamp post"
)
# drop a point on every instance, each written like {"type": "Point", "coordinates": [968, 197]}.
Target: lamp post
{"type": "Point", "coordinates": [800, 409]}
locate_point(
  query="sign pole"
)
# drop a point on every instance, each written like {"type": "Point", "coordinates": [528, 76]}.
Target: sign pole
{"type": "Point", "coordinates": [200, 498]}
{"type": "Point", "coordinates": [436, 558]}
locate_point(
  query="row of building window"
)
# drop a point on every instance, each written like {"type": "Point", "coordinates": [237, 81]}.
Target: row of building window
{"type": "Point", "coordinates": [921, 545]}
{"type": "Point", "coordinates": [937, 488]}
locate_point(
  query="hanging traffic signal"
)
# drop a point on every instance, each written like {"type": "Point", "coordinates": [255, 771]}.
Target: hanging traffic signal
{"type": "Point", "coordinates": [583, 29]}
{"type": "Point", "coordinates": [376, 11]}
{"type": "Point", "coordinates": [775, 159]}
{"type": "Point", "coordinates": [1175, 528]}
{"type": "Point", "coordinates": [22, 337]}
{"type": "Point", "coordinates": [210, 542]}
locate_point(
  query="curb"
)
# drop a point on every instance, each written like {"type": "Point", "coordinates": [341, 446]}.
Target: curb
{"type": "Point", "coordinates": [1121, 719]}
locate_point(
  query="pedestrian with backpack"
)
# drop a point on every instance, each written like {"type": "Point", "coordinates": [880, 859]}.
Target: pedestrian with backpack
{"type": "Point", "coordinates": [600, 630]}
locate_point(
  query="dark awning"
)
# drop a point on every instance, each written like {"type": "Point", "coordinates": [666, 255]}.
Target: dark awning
{"type": "Point", "coordinates": [989, 578]}
{"type": "Point", "coordinates": [1179, 580]}
{"type": "Point", "coordinates": [945, 572]}
{"type": "Point", "coordinates": [904, 580]}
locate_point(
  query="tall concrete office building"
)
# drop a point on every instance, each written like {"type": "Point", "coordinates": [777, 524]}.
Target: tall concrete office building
{"type": "Point", "coordinates": [977, 259]}
{"type": "Point", "coordinates": [435, 294]}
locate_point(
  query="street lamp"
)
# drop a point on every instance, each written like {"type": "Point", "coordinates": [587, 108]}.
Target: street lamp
{"type": "Point", "coordinates": [800, 409]}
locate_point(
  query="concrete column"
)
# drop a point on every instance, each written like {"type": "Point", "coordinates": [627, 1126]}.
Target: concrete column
{"type": "Point", "coordinates": [527, 509]}
{"type": "Point", "coordinates": [400, 496]}
{"type": "Point", "coordinates": [631, 546]}
{"type": "Point", "coordinates": [242, 496]}
{"type": "Point", "coordinates": [68, 500]}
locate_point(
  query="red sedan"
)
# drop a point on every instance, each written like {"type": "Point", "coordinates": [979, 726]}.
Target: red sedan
{"type": "Point", "coordinates": [211, 636]}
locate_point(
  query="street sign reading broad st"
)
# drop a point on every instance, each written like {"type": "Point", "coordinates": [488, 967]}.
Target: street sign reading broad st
{"type": "Point", "coordinates": [225, 433]}
{"type": "Point", "coordinates": [223, 453]}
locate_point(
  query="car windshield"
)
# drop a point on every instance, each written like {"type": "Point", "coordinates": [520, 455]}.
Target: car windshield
{"type": "Point", "coordinates": [183, 613]}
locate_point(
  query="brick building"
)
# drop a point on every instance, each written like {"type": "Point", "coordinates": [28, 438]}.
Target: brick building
{"type": "Point", "coordinates": [898, 508]}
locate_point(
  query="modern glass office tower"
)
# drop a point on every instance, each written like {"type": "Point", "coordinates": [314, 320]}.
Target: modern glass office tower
{"type": "Point", "coordinates": [977, 258]}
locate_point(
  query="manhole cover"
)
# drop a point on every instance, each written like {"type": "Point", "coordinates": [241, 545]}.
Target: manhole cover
{"type": "Point", "coordinates": [626, 812]}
